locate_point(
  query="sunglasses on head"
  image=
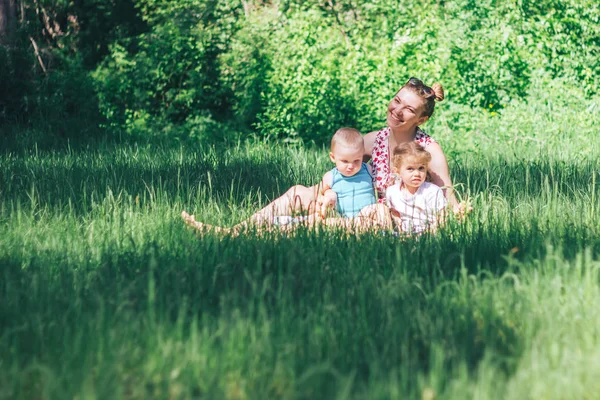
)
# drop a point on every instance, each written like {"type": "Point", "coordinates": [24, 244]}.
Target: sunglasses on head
{"type": "Point", "coordinates": [419, 85]}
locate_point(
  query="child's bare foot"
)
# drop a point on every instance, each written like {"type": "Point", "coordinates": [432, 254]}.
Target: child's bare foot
{"type": "Point", "coordinates": [199, 226]}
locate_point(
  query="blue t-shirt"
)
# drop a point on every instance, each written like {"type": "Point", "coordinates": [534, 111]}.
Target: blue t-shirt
{"type": "Point", "coordinates": [353, 192]}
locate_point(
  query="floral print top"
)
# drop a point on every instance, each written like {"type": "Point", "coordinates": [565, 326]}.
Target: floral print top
{"type": "Point", "coordinates": [380, 159]}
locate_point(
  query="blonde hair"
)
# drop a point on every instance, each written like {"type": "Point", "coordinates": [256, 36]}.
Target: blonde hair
{"type": "Point", "coordinates": [348, 137]}
{"type": "Point", "coordinates": [410, 150]}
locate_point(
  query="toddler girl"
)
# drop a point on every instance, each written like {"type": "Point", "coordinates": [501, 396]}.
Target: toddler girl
{"type": "Point", "coordinates": [416, 205]}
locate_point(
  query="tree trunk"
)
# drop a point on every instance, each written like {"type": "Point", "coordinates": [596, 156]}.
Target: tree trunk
{"type": "Point", "coordinates": [8, 21]}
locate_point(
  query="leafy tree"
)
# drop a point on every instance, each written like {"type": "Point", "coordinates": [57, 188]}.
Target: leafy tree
{"type": "Point", "coordinates": [280, 68]}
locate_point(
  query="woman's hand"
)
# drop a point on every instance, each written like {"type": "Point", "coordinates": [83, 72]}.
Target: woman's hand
{"type": "Point", "coordinates": [462, 209]}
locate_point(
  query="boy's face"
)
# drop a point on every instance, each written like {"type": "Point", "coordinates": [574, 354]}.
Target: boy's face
{"type": "Point", "coordinates": [348, 160]}
{"type": "Point", "coordinates": [413, 173]}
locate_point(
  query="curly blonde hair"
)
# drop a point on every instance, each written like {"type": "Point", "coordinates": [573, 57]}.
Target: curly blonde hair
{"type": "Point", "coordinates": [409, 150]}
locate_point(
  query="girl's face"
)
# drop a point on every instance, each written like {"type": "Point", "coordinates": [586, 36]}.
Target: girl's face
{"type": "Point", "coordinates": [405, 109]}
{"type": "Point", "coordinates": [413, 173]}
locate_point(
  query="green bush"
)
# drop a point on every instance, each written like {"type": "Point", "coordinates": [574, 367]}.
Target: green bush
{"type": "Point", "coordinates": [304, 97]}
{"type": "Point", "coordinates": [300, 70]}
{"type": "Point", "coordinates": [166, 77]}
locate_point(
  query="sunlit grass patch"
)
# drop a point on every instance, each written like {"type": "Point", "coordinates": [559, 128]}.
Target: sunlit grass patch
{"type": "Point", "coordinates": [105, 292]}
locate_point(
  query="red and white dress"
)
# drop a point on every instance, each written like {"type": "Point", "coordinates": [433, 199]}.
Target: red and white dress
{"type": "Point", "coordinates": [380, 159]}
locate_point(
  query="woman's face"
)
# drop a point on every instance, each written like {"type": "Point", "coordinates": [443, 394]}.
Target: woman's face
{"type": "Point", "coordinates": [405, 110]}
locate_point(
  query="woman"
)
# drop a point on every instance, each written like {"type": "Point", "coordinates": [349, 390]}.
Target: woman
{"type": "Point", "coordinates": [411, 106]}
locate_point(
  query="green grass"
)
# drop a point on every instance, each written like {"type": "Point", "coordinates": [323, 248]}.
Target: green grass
{"type": "Point", "coordinates": [105, 294]}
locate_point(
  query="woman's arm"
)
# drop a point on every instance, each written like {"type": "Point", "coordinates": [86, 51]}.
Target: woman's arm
{"type": "Point", "coordinates": [369, 139]}
{"type": "Point", "coordinates": [440, 174]}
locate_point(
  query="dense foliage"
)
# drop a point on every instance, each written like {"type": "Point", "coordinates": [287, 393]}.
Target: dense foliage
{"type": "Point", "coordinates": [214, 69]}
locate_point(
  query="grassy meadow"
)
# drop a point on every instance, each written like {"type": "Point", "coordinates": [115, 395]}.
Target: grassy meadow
{"type": "Point", "coordinates": [105, 294]}
{"type": "Point", "coordinates": [116, 116]}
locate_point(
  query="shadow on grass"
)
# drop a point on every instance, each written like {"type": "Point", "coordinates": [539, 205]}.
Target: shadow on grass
{"type": "Point", "coordinates": [359, 302]}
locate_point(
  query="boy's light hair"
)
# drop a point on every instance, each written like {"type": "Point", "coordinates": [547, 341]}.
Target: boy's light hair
{"type": "Point", "coordinates": [410, 150]}
{"type": "Point", "coordinates": [348, 137]}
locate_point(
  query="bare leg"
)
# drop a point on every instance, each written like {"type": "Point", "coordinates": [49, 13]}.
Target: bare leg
{"type": "Point", "coordinates": [235, 230]}
{"type": "Point", "coordinates": [351, 225]}
{"type": "Point", "coordinates": [297, 198]}
{"type": "Point", "coordinates": [375, 216]}
{"type": "Point", "coordinates": [199, 226]}
{"type": "Point", "coordinates": [379, 216]}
